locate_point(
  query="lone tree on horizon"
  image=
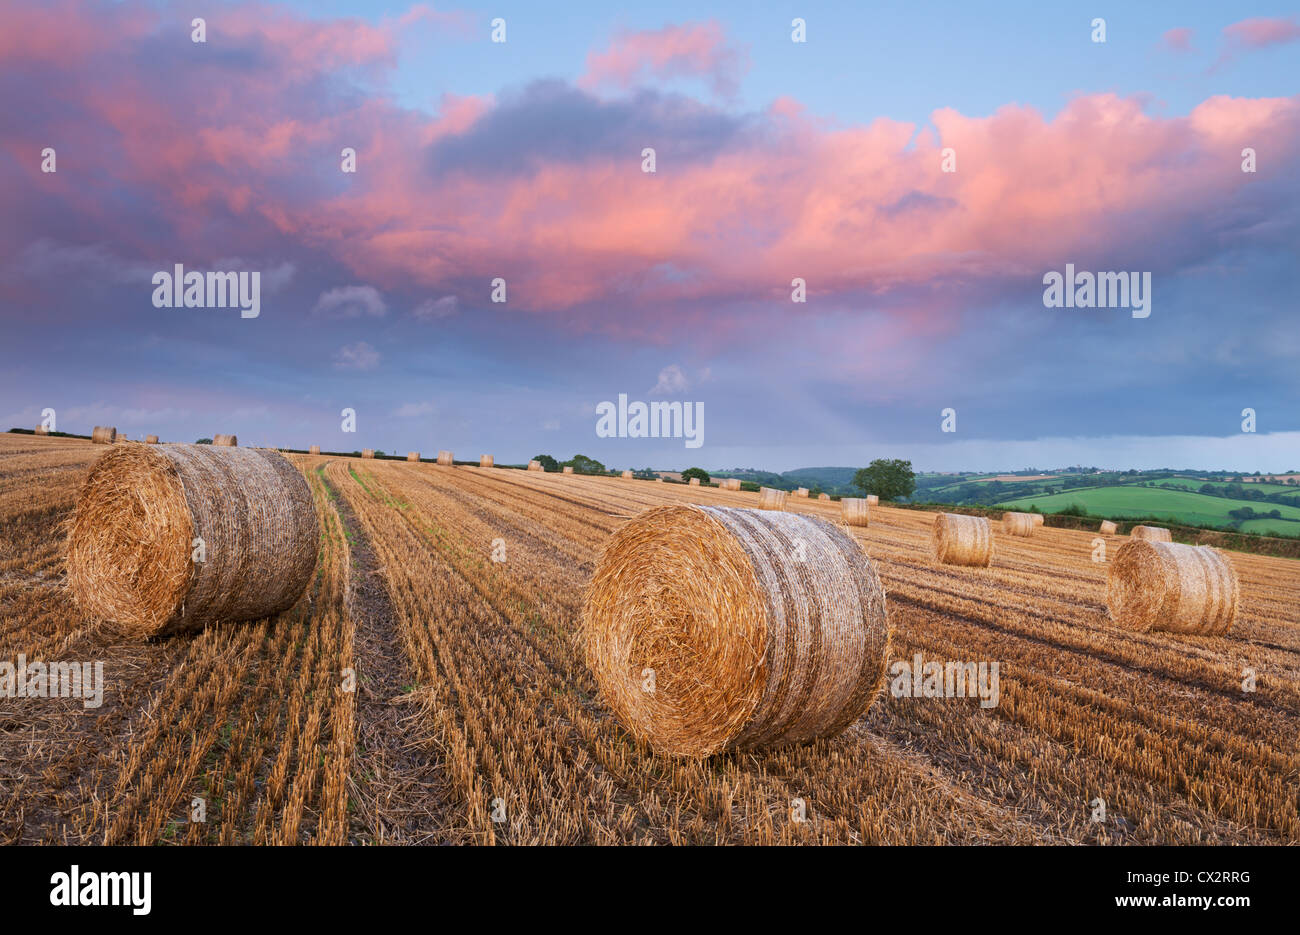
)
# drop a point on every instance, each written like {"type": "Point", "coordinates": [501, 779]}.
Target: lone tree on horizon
{"type": "Point", "coordinates": [888, 479]}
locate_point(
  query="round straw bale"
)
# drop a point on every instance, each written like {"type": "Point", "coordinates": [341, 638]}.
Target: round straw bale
{"type": "Point", "coordinates": [769, 498]}
{"type": "Point", "coordinates": [1018, 524]}
{"type": "Point", "coordinates": [485, 461]}
{"type": "Point", "coordinates": [872, 500]}
{"type": "Point", "coordinates": [412, 456]}
{"type": "Point", "coordinates": [103, 435]}
{"type": "Point", "coordinates": [1037, 518]}
{"type": "Point", "coordinates": [1152, 533]}
{"type": "Point", "coordinates": [1169, 586]}
{"type": "Point", "coordinates": [823, 496]}
{"type": "Point", "coordinates": [963, 540]}
{"type": "Point", "coordinates": [1107, 528]}
{"type": "Point", "coordinates": [314, 450]}
{"type": "Point", "coordinates": [568, 469]}
{"type": "Point", "coordinates": [747, 646]}
{"type": "Point", "coordinates": [855, 511]}
{"type": "Point", "coordinates": [367, 452]}
{"type": "Point", "coordinates": [40, 430]}
{"type": "Point", "coordinates": [446, 460]}
{"type": "Point", "coordinates": [730, 483]}
{"type": "Point", "coordinates": [695, 482]}
{"type": "Point", "coordinates": [534, 465]}
{"type": "Point", "coordinates": [151, 439]}
{"type": "Point", "coordinates": [225, 441]}
{"type": "Point", "coordinates": [132, 558]}
{"type": "Point", "coordinates": [627, 475]}
{"type": "Point", "coordinates": [801, 492]}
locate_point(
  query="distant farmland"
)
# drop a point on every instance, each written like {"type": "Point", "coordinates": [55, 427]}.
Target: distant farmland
{"type": "Point", "coordinates": [1181, 506]}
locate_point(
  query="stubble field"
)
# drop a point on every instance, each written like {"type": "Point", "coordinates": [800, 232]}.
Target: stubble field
{"type": "Point", "coordinates": [473, 717]}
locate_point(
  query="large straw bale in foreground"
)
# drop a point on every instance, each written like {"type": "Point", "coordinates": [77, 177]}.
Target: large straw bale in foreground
{"type": "Point", "coordinates": [225, 441]}
{"type": "Point", "coordinates": [103, 435]}
{"type": "Point", "coordinates": [1018, 524]}
{"type": "Point", "coordinates": [963, 540]}
{"type": "Point", "coordinates": [769, 498]}
{"type": "Point", "coordinates": [1107, 528]}
{"type": "Point", "coordinates": [446, 460]}
{"type": "Point", "coordinates": [1173, 587]}
{"type": "Point", "coordinates": [485, 461]}
{"type": "Point", "coordinates": [749, 647]}
{"type": "Point", "coordinates": [131, 551]}
{"type": "Point", "coordinates": [1152, 533]}
{"type": "Point", "coordinates": [412, 456]}
{"type": "Point", "coordinates": [855, 511]}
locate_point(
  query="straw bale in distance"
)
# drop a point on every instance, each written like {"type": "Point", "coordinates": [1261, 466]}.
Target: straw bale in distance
{"type": "Point", "coordinates": [314, 450]}
{"type": "Point", "coordinates": [367, 452]}
{"type": "Point", "coordinates": [769, 498]}
{"type": "Point", "coordinates": [627, 475]}
{"type": "Point", "coordinates": [1173, 587]}
{"type": "Point", "coordinates": [801, 492]}
{"type": "Point", "coordinates": [1152, 533]}
{"type": "Point", "coordinates": [729, 483]}
{"type": "Point", "coordinates": [1018, 524]}
{"type": "Point", "coordinates": [963, 540]}
{"type": "Point", "coordinates": [103, 435]}
{"type": "Point", "coordinates": [750, 647]}
{"type": "Point", "coordinates": [131, 554]}
{"type": "Point", "coordinates": [412, 456]}
{"type": "Point", "coordinates": [446, 460]}
{"type": "Point", "coordinates": [855, 511]}
{"type": "Point", "coordinates": [485, 461]}
{"type": "Point", "coordinates": [823, 496]}
{"type": "Point", "coordinates": [151, 439]}
{"type": "Point", "coordinates": [694, 482]}
{"type": "Point", "coordinates": [225, 441]}
{"type": "Point", "coordinates": [872, 500]}
{"type": "Point", "coordinates": [40, 430]}
{"type": "Point", "coordinates": [1107, 528]}
{"type": "Point", "coordinates": [534, 465]}
{"type": "Point", "coordinates": [568, 469]}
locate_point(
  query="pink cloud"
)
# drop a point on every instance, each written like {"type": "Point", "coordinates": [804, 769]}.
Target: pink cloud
{"type": "Point", "coordinates": [245, 162]}
{"type": "Point", "coordinates": [688, 50]}
{"type": "Point", "coordinates": [1261, 31]}
{"type": "Point", "coordinates": [1178, 39]}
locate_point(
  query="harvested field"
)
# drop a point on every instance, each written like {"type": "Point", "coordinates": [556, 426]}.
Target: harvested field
{"type": "Point", "coordinates": [472, 715]}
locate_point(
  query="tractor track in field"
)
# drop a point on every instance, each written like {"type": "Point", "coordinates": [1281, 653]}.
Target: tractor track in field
{"type": "Point", "coordinates": [397, 790]}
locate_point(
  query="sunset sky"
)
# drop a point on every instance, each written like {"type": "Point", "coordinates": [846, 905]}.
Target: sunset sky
{"type": "Point", "coordinates": [774, 160]}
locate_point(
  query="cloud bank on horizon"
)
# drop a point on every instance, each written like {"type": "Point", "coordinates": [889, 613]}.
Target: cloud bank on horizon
{"type": "Point", "coordinates": [922, 244]}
